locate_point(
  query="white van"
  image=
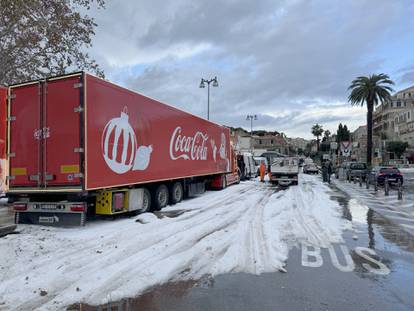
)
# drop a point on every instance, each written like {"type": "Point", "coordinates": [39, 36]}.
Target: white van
{"type": "Point", "coordinates": [249, 166]}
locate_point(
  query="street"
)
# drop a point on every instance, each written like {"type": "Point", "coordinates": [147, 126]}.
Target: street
{"type": "Point", "coordinates": [252, 246]}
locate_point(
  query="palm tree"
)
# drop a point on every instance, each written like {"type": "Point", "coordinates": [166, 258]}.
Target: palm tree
{"type": "Point", "coordinates": [370, 90]}
{"type": "Point", "coordinates": [326, 135]}
{"type": "Point", "coordinates": [317, 131]}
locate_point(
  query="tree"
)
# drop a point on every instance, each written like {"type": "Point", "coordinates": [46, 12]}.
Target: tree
{"type": "Point", "coordinates": [326, 135]}
{"type": "Point", "coordinates": [370, 90]}
{"type": "Point", "coordinates": [342, 133]}
{"type": "Point", "coordinates": [317, 131]}
{"type": "Point", "coordinates": [397, 147]}
{"type": "Point", "coordinates": [45, 37]}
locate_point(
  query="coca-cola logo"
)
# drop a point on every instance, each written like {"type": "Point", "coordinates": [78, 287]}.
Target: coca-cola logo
{"type": "Point", "coordinates": [188, 147]}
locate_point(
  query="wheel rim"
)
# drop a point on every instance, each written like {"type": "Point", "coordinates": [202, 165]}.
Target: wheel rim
{"type": "Point", "coordinates": [162, 197]}
{"type": "Point", "coordinates": [177, 194]}
{"type": "Point", "coordinates": [145, 203]}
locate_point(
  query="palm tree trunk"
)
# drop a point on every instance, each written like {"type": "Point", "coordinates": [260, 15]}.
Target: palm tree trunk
{"type": "Point", "coordinates": [370, 107]}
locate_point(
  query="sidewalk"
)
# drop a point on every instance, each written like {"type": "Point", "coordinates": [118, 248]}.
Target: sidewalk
{"type": "Point", "coordinates": [6, 220]}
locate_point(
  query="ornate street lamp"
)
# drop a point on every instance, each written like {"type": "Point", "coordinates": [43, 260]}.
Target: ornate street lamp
{"type": "Point", "coordinates": [251, 118]}
{"type": "Point", "coordinates": [202, 85]}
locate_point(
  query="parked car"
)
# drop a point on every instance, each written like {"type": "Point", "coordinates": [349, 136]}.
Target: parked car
{"type": "Point", "coordinates": [257, 161]}
{"type": "Point", "coordinates": [380, 173]}
{"type": "Point", "coordinates": [310, 168]}
{"type": "Point", "coordinates": [356, 169]}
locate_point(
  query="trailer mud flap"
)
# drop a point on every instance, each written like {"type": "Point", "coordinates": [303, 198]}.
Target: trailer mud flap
{"type": "Point", "coordinates": [51, 219]}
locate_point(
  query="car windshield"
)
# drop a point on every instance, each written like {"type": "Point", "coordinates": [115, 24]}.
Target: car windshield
{"type": "Point", "coordinates": [358, 166]}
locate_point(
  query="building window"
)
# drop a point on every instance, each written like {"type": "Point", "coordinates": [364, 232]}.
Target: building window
{"type": "Point", "coordinates": [398, 104]}
{"type": "Point", "coordinates": [260, 141]}
{"type": "Point", "coordinates": [408, 115]}
{"type": "Point", "coordinates": [271, 141]}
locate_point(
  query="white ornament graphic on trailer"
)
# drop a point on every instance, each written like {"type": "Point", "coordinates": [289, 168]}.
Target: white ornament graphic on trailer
{"type": "Point", "coordinates": [223, 151]}
{"type": "Point", "coordinates": [214, 148]}
{"type": "Point", "coordinates": [131, 157]}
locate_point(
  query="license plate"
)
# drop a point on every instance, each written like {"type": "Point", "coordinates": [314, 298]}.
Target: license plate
{"type": "Point", "coordinates": [49, 206]}
{"type": "Point", "coordinates": [391, 179]}
{"type": "Point", "coordinates": [48, 220]}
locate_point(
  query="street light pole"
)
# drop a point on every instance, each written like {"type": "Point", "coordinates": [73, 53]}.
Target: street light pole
{"type": "Point", "coordinates": [202, 85]}
{"type": "Point", "coordinates": [251, 118]}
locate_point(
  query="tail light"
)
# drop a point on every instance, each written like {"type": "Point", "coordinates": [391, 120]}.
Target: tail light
{"type": "Point", "coordinates": [381, 174]}
{"type": "Point", "coordinates": [20, 206]}
{"type": "Point", "coordinates": [77, 207]}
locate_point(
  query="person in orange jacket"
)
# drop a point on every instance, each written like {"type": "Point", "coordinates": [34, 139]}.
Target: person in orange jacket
{"type": "Point", "coordinates": [262, 170]}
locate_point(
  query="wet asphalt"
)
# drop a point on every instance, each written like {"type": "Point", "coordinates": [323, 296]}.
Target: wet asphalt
{"type": "Point", "coordinates": [326, 281]}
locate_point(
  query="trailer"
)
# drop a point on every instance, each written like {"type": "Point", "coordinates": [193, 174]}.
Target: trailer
{"type": "Point", "coordinates": [3, 134]}
{"type": "Point", "coordinates": [79, 145]}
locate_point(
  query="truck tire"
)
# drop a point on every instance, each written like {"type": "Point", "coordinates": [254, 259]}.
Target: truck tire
{"type": "Point", "coordinates": [146, 201]}
{"type": "Point", "coordinates": [177, 193]}
{"type": "Point", "coordinates": [161, 197]}
{"type": "Point", "coordinates": [223, 182]}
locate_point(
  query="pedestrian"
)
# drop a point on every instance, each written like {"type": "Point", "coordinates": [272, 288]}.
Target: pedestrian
{"type": "Point", "coordinates": [324, 171]}
{"type": "Point", "coordinates": [262, 170]}
{"type": "Point", "coordinates": [329, 169]}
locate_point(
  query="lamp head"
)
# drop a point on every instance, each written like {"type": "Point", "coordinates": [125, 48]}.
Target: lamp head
{"type": "Point", "coordinates": [202, 85]}
{"type": "Point", "coordinates": [215, 82]}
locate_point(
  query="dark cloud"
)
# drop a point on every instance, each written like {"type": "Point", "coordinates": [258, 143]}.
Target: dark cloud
{"type": "Point", "coordinates": [277, 59]}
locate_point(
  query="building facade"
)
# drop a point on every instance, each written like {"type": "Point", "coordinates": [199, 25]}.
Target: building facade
{"type": "Point", "coordinates": [359, 144]}
{"type": "Point", "coordinates": [393, 121]}
{"type": "Point", "coordinates": [271, 143]}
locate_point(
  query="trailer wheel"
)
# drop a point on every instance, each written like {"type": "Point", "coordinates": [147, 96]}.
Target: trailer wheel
{"type": "Point", "coordinates": [177, 193]}
{"type": "Point", "coordinates": [224, 182]}
{"type": "Point", "coordinates": [146, 201]}
{"type": "Point", "coordinates": [161, 197]}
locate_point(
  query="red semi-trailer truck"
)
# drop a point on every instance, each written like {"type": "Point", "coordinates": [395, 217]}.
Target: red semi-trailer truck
{"type": "Point", "coordinates": [79, 144]}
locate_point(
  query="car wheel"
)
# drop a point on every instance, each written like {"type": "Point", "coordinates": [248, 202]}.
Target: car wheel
{"type": "Point", "coordinates": [177, 193]}
{"type": "Point", "coordinates": [161, 197]}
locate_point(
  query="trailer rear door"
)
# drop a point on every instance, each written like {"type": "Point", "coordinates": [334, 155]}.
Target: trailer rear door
{"type": "Point", "coordinates": [45, 121]}
{"type": "Point", "coordinates": [25, 139]}
{"type": "Point", "coordinates": [62, 150]}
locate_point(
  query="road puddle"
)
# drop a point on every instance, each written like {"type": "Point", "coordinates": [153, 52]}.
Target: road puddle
{"type": "Point", "coordinates": [376, 225]}
{"type": "Point", "coordinates": [151, 300]}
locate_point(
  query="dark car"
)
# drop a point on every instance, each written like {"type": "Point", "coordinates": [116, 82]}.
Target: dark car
{"type": "Point", "coordinates": [381, 173]}
{"type": "Point", "coordinates": [356, 170]}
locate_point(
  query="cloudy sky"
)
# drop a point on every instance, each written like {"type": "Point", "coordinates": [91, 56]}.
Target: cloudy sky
{"type": "Point", "coordinates": [290, 62]}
